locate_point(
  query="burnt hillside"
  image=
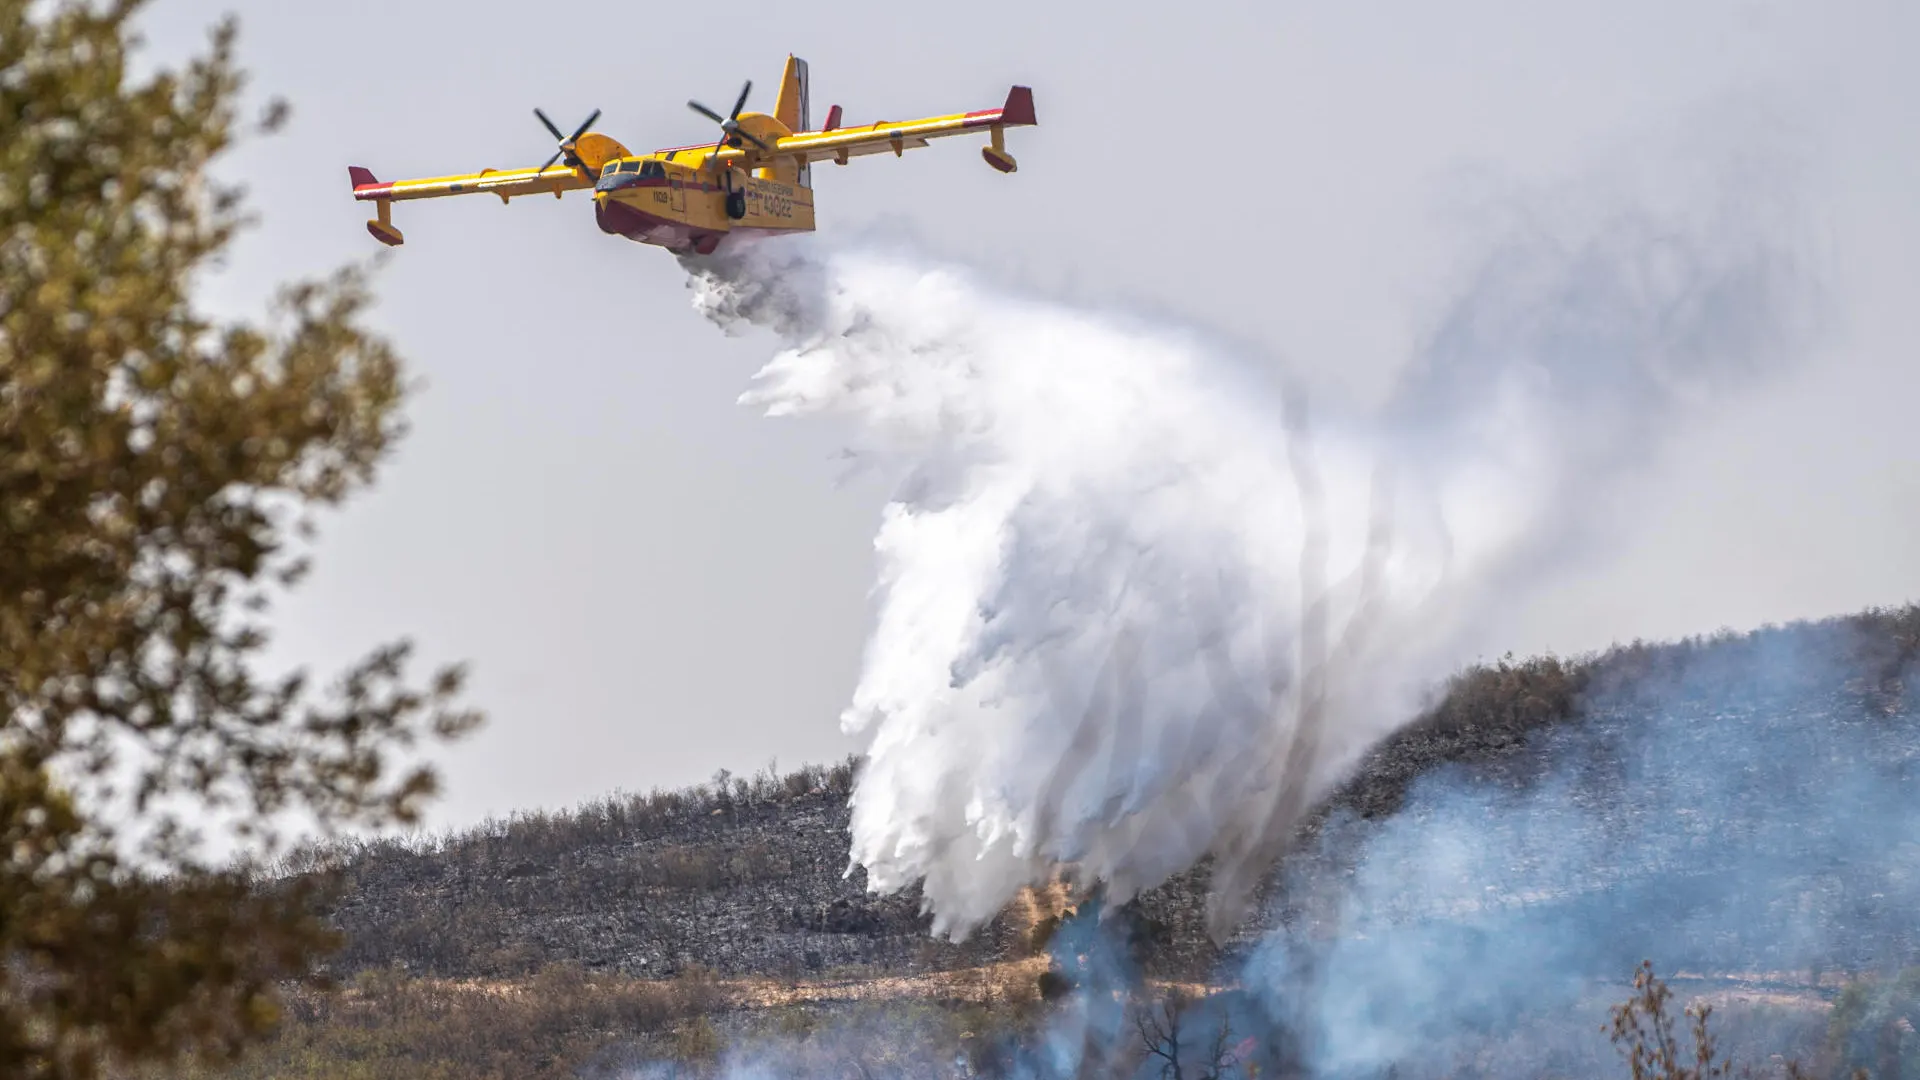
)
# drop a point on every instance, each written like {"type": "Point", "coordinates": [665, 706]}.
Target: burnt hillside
{"type": "Point", "coordinates": [745, 875]}
{"type": "Point", "coordinates": [742, 876]}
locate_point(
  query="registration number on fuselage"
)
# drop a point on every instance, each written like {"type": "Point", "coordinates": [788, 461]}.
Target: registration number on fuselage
{"type": "Point", "coordinates": [767, 204]}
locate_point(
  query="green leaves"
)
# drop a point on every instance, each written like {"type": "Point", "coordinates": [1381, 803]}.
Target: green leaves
{"type": "Point", "coordinates": [157, 476]}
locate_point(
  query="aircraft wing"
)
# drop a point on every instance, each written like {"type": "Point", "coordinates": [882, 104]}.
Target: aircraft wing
{"type": "Point", "coordinates": [557, 179]}
{"type": "Point", "coordinates": [590, 149]}
{"type": "Point", "coordinates": [504, 183]}
{"type": "Point", "coordinates": [842, 143]}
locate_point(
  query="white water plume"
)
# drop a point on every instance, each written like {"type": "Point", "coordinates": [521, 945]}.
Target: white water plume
{"type": "Point", "coordinates": [1137, 606]}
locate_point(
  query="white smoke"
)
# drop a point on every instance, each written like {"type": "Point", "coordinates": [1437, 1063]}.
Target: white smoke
{"type": "Point", "coordinates": [1137, 605]}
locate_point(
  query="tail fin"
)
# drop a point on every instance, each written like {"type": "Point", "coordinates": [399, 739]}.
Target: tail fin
{"type": "Point", "coordinates": [793, 109]}
{"type": "Point", "coordinates": [1018, 111]}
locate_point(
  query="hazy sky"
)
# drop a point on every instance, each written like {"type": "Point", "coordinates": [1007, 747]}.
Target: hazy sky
{"type": "Point", "coordinates": [651, 581]}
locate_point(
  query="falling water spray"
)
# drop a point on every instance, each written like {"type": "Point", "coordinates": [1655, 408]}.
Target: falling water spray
{"type": "Point", "coordinates": [1138, 606]}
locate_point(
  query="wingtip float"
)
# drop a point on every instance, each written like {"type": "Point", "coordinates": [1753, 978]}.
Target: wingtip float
{"type": "Point", "coordinates": [756, 177]}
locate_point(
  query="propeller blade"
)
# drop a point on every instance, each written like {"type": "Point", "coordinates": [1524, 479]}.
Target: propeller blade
{"type": "Point", "coordinates": [557, 137]}
{"type": "Point", "coordinates": [754, 139]}
{"type": "Point", "coordinates": [738, 105]}
{"type": "Point", "coordinates": [551, 160]}
{"type": "Point", "coordinates": [706, 112]}
{"type": "Point", "coordinates": [584, 124]}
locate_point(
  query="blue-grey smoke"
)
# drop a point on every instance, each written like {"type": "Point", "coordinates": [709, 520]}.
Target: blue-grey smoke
{"type": "Point", "coordinates": [1745, 808]}
{"type": "Point", "coordinates": [1749, 807]}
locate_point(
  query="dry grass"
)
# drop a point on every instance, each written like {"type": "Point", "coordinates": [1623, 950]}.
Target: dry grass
{"type": "Point", "coordinates": [983, 984]}
{"type": "Point", "coordinates": [986, 984]}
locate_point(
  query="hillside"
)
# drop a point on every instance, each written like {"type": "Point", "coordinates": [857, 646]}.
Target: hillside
{"type": "Point", "coordinates": [741, 877]}
{"type": "Point", "coordinates": [746, 876]}
{"type": "Point", "coordinates": [637, 927]}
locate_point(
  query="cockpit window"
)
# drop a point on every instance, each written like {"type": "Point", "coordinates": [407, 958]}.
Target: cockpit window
{"type": "Point", "coordinates": [629, 166]}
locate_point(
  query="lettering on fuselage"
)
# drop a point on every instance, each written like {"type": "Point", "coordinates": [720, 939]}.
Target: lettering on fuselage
{"type": "Point", "coordinates": [767, 204]}
{"type": "Point", "coordinates": [767, 199]}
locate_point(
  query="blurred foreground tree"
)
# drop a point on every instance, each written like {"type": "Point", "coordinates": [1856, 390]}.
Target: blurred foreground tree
{"type": "Point", "coordinates": [156, 472]}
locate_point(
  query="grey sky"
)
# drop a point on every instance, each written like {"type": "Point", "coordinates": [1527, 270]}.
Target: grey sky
{"type": "Point", "coordinates": [651, 581]}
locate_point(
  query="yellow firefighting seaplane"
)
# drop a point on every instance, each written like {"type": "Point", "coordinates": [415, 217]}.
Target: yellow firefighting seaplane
{"type": "Point", "coordinates": [757, 176]}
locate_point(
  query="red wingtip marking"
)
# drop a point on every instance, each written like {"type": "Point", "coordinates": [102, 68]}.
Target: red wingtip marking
{"type": "Point", "coordinates": [1019, 107]}
{"type": "Point", "coordinates": [361, 177]}
{"type": "Point", "coordinates": [833, 119]}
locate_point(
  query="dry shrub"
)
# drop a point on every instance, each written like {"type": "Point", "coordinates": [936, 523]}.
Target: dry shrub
{"type": "Point", "coordinates": [1177, 1044]}
{"type": "Point", "coordinates": [695, 990]}
{"type": "Point", "coordinates": [1873, 1026]}
{"type": "Point", "coordinates": [697, 1044]}
{"type": "Point", "coordinates": [1643, 1030]}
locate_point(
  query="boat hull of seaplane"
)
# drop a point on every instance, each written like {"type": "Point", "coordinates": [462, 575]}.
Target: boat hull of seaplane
{"type": "Point", "coordinates": [690, 214]}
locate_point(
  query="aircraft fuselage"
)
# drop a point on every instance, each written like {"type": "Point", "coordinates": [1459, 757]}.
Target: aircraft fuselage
{"type": "Point", "coordinates": [658, 202]}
